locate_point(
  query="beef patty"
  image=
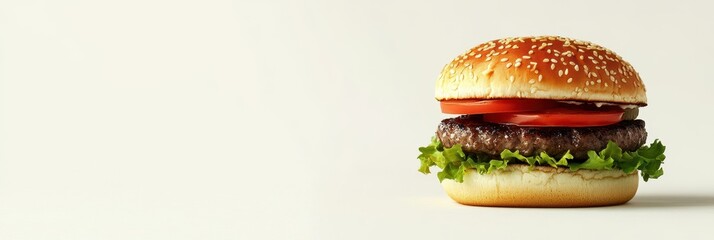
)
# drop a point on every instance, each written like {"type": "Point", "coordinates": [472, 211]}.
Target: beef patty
{"type": "Point", "coordinates": [477, 136]}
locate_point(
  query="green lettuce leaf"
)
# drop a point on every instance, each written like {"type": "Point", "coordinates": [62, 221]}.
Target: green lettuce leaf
{"type": "Point", "coordinates": [594, 162]}
{"type": "Point", "coordinates": [454, 163]}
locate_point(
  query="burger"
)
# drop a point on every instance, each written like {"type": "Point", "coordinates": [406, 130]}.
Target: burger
{"type": "Point", "coordinates": [543, 121]}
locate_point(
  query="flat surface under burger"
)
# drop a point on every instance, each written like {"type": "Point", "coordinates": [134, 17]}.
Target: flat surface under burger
{"type": "Point", "coordinates": [477, 136]}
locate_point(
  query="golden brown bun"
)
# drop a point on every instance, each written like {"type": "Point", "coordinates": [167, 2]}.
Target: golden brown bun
{"type": "Point", "coordinates": [546, 67]}
{"type": "Point", "coordinates": [517, 186]}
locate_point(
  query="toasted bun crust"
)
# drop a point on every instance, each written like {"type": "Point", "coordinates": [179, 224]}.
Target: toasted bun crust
{"type": "Point", "coordinates": [546, 67]}
{"type": "Point", "coordinates": [517, 186]}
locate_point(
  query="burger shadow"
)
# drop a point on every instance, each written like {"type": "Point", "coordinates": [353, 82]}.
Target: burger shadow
{"type": "Point", "coordinates": [669, 201]}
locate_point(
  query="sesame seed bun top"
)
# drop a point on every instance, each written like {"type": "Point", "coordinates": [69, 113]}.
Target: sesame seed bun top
{"type": "Point", "coordinates": [544, 67]}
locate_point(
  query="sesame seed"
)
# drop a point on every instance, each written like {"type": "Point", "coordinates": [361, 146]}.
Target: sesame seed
{"type": "Point", "coordinates": [576, 68]}
{"type": "Point", "coordinates": [515, 46]}
{"type": "Point", "coordinates": [532, 81]}
{"type": "Point", "coordinates": [560, 73]}
{"type": "Point", "coordinates": [488, 58]}
{"type": "Point", "coordinates": [526, 57]}
{"type": "Point", "coordinates": [540, 77]}
{"type": "Point", "coordinates": [570, 80]}
{"type": "Point", "coordinates": [530, 51]}
{"type": "Point", "coordinates": [552, 66]}
{"type": "Point", "coordinates": [553, 60]}
{"type": "Point", "coordinates": [566, 71]}
{"type": "Point", "coordinates": [605, 84]}
{"type": "Point", "coordinates": [546, 60]}
{"type": "Point", "coordinates": [504, 59]}
{"type": "Point", "coordinates": [478, 55]}
{"type": "Point", "coordinates": [624, 81]}
{"type": "Point", "coordinates": [511, 78]}
{"type": "Point", "coordinates": [508, 65]}
{"type": "Point", "coordinates": [518, 63]}
{"type": "Point", "coordinates": [472, 53]}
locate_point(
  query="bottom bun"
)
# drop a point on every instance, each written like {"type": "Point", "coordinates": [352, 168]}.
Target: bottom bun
{"type": "Point", "coordinates": [519, 186]}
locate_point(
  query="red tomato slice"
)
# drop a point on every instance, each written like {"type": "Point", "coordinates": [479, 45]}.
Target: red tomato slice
{"type": "Point", "coordinates": [475, 106]}
{"type": "Point", "coordinates": [558, 117]}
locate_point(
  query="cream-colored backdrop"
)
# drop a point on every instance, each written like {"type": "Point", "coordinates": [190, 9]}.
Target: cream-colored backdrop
{"type": "Point", "coordinates": [301, 119]}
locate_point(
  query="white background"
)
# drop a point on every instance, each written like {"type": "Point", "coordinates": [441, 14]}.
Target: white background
{"type": "Point", "coordinates": [301, 119]}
